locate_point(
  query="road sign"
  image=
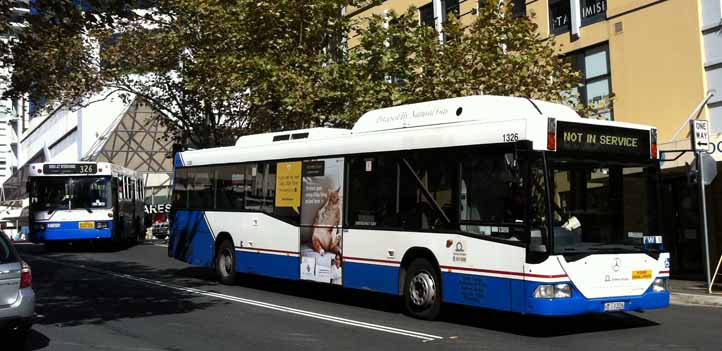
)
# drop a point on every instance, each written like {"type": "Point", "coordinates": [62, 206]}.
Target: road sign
{"type": "Point", "coordinates": [700, 134]}
{"type": "Point", "coordinates": [709, 170]}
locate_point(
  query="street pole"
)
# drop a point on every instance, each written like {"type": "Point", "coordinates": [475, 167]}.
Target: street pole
{"type": "Point", "coordinates": [699, 138]}
{"type": "Point", "coordinates": [703, 207]}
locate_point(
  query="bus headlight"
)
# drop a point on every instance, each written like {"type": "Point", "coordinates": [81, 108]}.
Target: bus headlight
{"type": "Point", "coordinates": [659, 285]}
{"type": "Point", "coordinates": [101, 225]}
{"type": "Point", "coordinates": [553, 291]}
{"type": "Point", "coordinates": [39, 226]}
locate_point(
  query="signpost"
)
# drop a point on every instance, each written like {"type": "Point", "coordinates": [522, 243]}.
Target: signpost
{"type": "Point", "coordinates": [700, 138]}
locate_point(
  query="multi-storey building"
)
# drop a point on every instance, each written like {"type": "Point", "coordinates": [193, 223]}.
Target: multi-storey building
{"type": "Point", "coordinates": [643, 61]}
{"type": "Point", "coordinates": [9, 112]}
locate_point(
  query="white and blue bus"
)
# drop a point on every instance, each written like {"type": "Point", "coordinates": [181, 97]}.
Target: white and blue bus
{"type": "Point", "coordinates": [496, 202]}
{"type": "Point", "coordinates": [87, 201]}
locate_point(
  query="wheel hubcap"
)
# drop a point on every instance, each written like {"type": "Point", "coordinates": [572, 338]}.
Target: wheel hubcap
{"type": "Point", "coordinates": [226, 262]}
{"type": "Point", "coordinates": [422, 289]}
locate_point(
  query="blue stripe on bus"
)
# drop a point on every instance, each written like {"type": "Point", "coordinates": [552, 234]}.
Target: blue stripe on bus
{"type": "Point", "coordinates": [191, 239]}
{"type": "Point", "coordinates": [371, 277]}
{"type": "Point", "coordinates": [477, 290]}
{"type": "Point", "coordinates": [178, 162]}
{"type": "Point", "coordinates": [70, 231]}
{"type": "Point", "coordinates": [277, 266]}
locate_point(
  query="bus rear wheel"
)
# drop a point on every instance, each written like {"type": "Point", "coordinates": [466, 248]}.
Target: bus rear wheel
{"type": "Point", "coordinates": [422, 290]}
{"type": "Point", "coordinates": [226, 262]}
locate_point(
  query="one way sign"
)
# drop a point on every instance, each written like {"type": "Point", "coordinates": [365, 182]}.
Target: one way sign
{"type": "Point", "coordinates": [700, 134]}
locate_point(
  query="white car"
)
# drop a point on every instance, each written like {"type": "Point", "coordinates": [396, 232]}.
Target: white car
{"type": "Point", "coordinates": [17, 298]}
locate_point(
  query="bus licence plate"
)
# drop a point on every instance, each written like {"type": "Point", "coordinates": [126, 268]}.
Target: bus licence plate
{"type": "Point", "coordinates": [86, 225]}
{"type": "Point", "coordinates": [614, 306]}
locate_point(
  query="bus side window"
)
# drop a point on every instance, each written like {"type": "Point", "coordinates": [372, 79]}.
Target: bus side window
{"type": "Point", "coordinates": [426, 190]}
{"type": "Point", "coordinates": [269, 187]}
{"type": "Point", "coordinates": [261, 186]}
{"type": "Point", "coordinates": [372, 192]}
{"type": "Point", "coordinates": [254, 197]}
{"type": "Point", "coordinates": [200, 188]}
{"type": "Point", "coordinates": [180, 189]}
{"type": "Point", "coordinates": [230, 187]}
{"type": "Point", "coordinates": [492, 198]}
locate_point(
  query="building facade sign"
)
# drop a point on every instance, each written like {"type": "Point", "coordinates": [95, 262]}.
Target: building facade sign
{"type": "Point", "coordinates": [560, 13]}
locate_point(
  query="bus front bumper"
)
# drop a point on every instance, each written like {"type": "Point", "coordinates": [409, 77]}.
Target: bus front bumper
{"type": "Point", "coordinates": [71, 231]}
{"type": "Point", "coordinates": [578, 304]}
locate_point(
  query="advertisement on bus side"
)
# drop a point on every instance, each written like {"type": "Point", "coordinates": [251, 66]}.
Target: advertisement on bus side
{"type": "Point", "coordinates": [321, 208]}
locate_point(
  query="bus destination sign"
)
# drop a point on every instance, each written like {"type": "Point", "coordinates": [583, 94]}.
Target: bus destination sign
{"type": "Point", "coordinates": [598, 139]}
{"type": "Point", "coordinates": [70, 168]}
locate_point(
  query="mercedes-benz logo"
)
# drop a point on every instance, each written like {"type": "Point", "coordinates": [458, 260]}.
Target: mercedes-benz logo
{"type": "Point", "coordinates": [617, 265]}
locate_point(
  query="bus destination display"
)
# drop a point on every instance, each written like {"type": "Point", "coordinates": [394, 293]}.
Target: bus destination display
{"type": "Point", "coordinates": [70, 168]}
{"type": "Point", "coordinates": [613, 141]}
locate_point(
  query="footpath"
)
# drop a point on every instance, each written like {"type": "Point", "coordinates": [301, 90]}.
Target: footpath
{"type": "Point", "coordinates": [690, 292]}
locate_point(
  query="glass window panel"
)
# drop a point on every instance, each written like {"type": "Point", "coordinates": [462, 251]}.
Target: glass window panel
{"type": "Point", "coordinates": [595, 63]}
{"type": "Point", "coordinates": [372, 208]}
{"type": "Point", "coordinates": [559, 16]}
{"type": "Point", "coordinates": [598, 94]}
{"type": "Point", "coordinates": [715, 116]}
{"type": "Point", "coordinates": [254, 187]}
{"type": "Point", "coordinates": [230, 182]}
{"type": "Point", "coordinates": [433, 172]}
{"type": "Point", "coordinates": [711, 12]}
{"type": "Point", "coordinates": [571, 97]}
{"type": "Point", "coordinates": [452, 6]}
{"type": "Point", "coordinates": [426, 15]}
{"type": "Point", "coordinates": [518, 8]}
{"type": "Point", "coordinates": [269, 187]}
{"type": "Point", "coordinates": [200, 188]}
{"type": "Point", "coordinates": [180, 191]}
{"type": "Point", "coordinates": [714, 81]}
{"type": "Point", "coordinates": [592, 10]}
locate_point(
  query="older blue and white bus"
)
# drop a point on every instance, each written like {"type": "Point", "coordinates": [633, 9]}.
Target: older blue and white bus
{"type": "Point", "coordinates": [71, 202]}
{"type": "Point", "coordinates": [496, 202]}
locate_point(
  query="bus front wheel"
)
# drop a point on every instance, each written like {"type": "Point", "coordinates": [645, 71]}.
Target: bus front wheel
{"type": "Point", "coordinates": [226, 262]}
{"type": "Point", "coordinates": [422, 290]}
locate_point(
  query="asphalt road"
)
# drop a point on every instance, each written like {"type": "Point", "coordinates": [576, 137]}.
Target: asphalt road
{"type": "Point", "coordinates": [139, 299]}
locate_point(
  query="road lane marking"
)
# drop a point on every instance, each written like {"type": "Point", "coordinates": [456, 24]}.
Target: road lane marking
{"type": "Point", "coordinates": [355, 323]}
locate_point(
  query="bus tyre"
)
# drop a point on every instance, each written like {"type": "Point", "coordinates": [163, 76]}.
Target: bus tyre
{"type": "Point", "coordinates": [226, 262]}
{"type": "Point", "coordinates": [422, 290]}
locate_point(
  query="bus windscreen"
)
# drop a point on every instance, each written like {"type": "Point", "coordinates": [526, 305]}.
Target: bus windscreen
{"type": "Point", "coordinates": [601, 208]}
{"type": "Point", "coordinates": [67, 193]}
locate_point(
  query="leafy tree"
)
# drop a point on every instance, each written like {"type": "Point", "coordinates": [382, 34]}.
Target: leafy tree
{"type": "Point", "coordinates": [214, 69]}
{"type": "Point", "coordinates": [218, 69]}
{"type": "Point", "coordinates": [496, 54]}
{"type": "Point", "coordinates": [6, 41]}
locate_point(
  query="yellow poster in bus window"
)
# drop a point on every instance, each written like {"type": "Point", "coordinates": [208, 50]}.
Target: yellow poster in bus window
{"type": "Point", "coordinates": [288, 185]}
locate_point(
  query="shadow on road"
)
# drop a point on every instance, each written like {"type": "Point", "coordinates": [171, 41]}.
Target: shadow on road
{"type": "Point", "coordinates": [541, 327]}
{"type": "Point", "coordinates": [34, 341]}
{"type": "Point", "coordinates": [69, 296]}
{"type": "Point", "coordinates": [74, 296]}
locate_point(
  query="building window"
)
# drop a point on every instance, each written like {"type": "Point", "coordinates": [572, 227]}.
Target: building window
{"type": "Point", "coordinates": [426, 15]}
{"type": "Point", "coordinates": [451, 7]}
{"type": "Point", "coordinates": [596, 88]}
{"type": "Point", "coordinates": [560, 18]}
{"type": "Point", "coordinates": [518, 8]}
{"type": "Point", "coordinates": [593, 11]}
